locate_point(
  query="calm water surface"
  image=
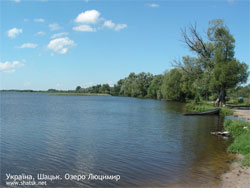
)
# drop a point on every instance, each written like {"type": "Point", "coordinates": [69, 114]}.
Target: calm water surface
{"type": "Point", "coordinates": [147, 142]}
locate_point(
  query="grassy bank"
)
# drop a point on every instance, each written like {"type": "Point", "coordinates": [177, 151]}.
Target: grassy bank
{"type": "Point", "coordinates": [206, 105]}
{"type": "Point", "coordinates": [79, 94]}
{"type": "Point", "coordinates": [240, 130]}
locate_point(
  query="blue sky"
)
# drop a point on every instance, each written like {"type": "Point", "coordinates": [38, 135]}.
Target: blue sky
{"type": "Point", "coordinates": [52, 44]}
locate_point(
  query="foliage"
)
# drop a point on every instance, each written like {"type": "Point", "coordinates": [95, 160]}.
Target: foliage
{"type": "Point", "coordinates": [136, 85]}
{"type": "Point", "coordinates": [198, 107]}
{"type": "Point", "coordinates": [205, 105]}
{"type": "Point", "coordinates": [197, 98]}
{"type": "Point", "coordinates": [215, 69]}
{"type": "Point", "coordinates": [154, 89]}
{"type": "Point", "coordinates": [79, 94]}
{"type": "Point", "coordinates": [240, 100]}
{"type": "Point", "coordinates": [78, 88]}
{"type": "Point", "coordinates": [241, 91]}
{"type": "Point", "coordinates": [225, 111]}
{"type": "Point", "coordinates": [236, 127]}
{"type": "Point", "coordinates": [241, 144]}
{"type": "Point", "coordinates": [172, 86]}
{"type": "Point", "coordinates": [246, 160]}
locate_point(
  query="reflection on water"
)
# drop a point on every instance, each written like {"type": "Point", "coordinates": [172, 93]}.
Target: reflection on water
{"type": "Point", "coordinates": [146, 142]}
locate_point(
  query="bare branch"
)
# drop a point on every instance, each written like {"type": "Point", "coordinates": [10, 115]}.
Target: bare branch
{"type": "Point", "coordinates": [194, 41]}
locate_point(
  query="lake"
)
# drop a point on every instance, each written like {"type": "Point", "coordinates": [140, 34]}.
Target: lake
{"type": "Point", "coordinates": [146, 142]}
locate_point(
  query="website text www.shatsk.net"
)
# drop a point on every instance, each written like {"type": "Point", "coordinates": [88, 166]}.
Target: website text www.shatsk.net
{"type": "Point", "coordinates": [42, 179]}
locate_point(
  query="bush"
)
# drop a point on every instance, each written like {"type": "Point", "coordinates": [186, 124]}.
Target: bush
{"type": "Point", "coordinates": [198, 108]}
{"type": "Point", "coordinates": [225, 111]}
{"type": "Point", "coordinates": [240, 100]}
{"type": "Point", "coordinates": [236, 127]}
{"type": "Point", "coordinates": [197, 99]}
{"type": "Point", "coordinates": [241, 144]}
{"type": "Point", "coordinates": [213, 97]}
{"type": "Point", "coordinates": [246, 160]}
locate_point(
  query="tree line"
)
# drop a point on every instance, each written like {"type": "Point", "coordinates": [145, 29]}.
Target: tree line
{"type": "Point", "coordinates": [213, 70]}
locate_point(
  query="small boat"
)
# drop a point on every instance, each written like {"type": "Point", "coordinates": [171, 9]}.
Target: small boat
{"type": "Point", "coordinates": [237, 106]}
{"type": "Point", "coordinates": [208, 112]}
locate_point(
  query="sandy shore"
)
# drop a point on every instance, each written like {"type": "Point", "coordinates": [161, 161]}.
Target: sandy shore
{"type": "Point", "coordinates": [243, 114]}
{"type": "Point", "coordinates": [238, 176]}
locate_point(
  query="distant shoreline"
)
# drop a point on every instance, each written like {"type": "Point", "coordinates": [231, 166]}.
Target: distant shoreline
{"type": "Point", "coordinates": [79, 94]}
{"type": "Point", "coordinates": [59, 93]}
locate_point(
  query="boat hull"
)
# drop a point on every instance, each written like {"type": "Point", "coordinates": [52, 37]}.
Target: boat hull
{"type": "Point", "coordinates": [208, 112]}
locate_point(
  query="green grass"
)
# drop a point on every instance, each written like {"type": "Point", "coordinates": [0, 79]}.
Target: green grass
{"type": "Point", "coordinates": [198, 107]}
{"type": "Point", "coordinates": [236, 127]}
{"type": "Point", "coordinates": [236, 102]}
{"type": "Point", "coordinates": [246, 160]}
{"type": "Point", "coordinates": [79, 94]}
{"type": "Point", "coordinates": [206, 105]}
{"type": "Point", "coordinates": [225, 111]}
{"type": "Point", "coordinates": [240, 130]}
{"type": "Point", "coordinates": [241, 144]}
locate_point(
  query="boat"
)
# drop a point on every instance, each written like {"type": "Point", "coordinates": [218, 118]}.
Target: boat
{"type": "Point", "coordinates": [237, 106]}
{"type": "Point", "coordinates": [208, 112]}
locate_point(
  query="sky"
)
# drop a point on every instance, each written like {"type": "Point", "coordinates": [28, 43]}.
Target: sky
{"type": "Point", "coordinates": [62, 44]}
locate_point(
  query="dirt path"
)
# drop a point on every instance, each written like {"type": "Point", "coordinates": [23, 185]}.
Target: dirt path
{"type": "Point", "coordinates": [237, 177]}
{"type": "Point", "coordinates": [243, 114]}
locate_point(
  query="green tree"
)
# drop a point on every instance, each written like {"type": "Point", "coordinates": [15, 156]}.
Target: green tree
{"type": "Point", "coordinates": [172, 86]}
{"type": "Point", "coordinates": [105, 89]}
{"type": "Point", "coordinates": [78, 88]}
{"type": "Point", "coordinates": [228, 72]}
{"type": "Point", "coordinates": [215, 69]}
{"type": "Point", "coordinates": [154, 90]}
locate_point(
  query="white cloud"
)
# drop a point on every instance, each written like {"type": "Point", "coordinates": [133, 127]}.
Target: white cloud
{"type": "Point", "coordinates": [28, 45]}
{"type": "Point", "coordinates": [54, 26]}
{"type": "Point", "coordinates": [60, 45]}
{"type": "Point", "coordinates": [9, 67]}
{"type": "Point", "coordinates": [84, 28]}
{"type": "Point", "coordinates": [88, 17]}
{"type": "Point", "coordinates": [10, 71]}
{"type": "Point", "coordinates": [111, 25]}
{"type": "Point", "coordinates": [118, 27]}
{"type": "Point", "coordinates": [59, 35]}
{"type": "Point", "coordinates": [85, 19]}
{"type": "Point", "coordinates": [59, 85]}
{"type": "Point", "coordinates": [39, 20]}
{"type": "Point", "coordinates": [16, 1]}
{"type": "Point", "coordinates": [12, 33]}
{"type": "Point", "coordinates": [153, 5]}
{"type": "Point", "coordinates": [88, 84]}
{"type": "Point", "coordinates": [40, 33]}
{"type": "Point", "coordinates": [111, 83]}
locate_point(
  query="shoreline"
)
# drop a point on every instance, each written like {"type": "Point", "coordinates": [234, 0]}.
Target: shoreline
{"type": "Point", "coordinates": [245, 114]}
{"type": "Point", "coordinates": [237, 176]}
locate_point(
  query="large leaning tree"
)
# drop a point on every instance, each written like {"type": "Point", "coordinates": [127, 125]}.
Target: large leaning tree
{"type": "Point", "coordinates": [215, 68]}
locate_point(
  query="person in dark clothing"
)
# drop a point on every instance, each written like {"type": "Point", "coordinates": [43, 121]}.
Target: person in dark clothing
{"type": "Point", "coordinates": [218, 101]}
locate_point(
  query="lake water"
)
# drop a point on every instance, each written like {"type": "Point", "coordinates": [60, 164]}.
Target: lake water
{"type": "Point", "coordinates": [146, 142]}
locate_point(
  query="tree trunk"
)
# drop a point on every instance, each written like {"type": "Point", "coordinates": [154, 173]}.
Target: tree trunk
{"type": "Point", "coordinates": [222, 95]}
